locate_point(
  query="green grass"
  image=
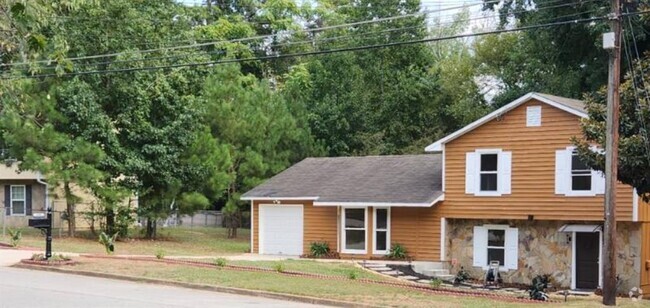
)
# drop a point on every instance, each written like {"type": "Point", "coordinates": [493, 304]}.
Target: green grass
{"type": "Point", "coordinates": [346, 290]}
{"type": "Point", "coordinates": [342, 269]}
{"type": "Point", "coordinates": [179, 241]}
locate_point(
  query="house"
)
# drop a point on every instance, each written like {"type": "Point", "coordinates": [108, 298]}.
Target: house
{"type": "Point", "coordinates": [25, 193]}
{"type": "Point", "coordinates": [507, 187]}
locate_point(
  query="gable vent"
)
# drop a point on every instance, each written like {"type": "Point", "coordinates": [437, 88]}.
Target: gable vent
{"type": "Point", "coordinates": [534, 116]}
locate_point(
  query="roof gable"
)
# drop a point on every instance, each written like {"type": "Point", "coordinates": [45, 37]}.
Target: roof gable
{"type": "Point", "coordinates": [572, 106]}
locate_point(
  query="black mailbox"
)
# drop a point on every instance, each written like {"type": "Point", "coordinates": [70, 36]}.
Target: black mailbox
{"type": "Point", "coordinates": [40, 223]}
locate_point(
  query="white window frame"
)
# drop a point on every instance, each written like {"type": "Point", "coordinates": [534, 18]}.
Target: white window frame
{"type": "Point", "coordinates": [481, 172]}
{"type": "Point", "coordinates": [11, 200]}
{"type": "Point", "coordinates": [502, 267]}
{"type": "Point", "coordinates": [571, 175]}
{"type": "Point", "coordinates": [376, 229]}
{"type": "Point", "coordinates": [344, 229]}
{"type": "Point", "coordinates": [487, 231]}
{"type": "Point", "coordinates": [488, 193]}
{"type": "Point", "coordinates": [567, 175]}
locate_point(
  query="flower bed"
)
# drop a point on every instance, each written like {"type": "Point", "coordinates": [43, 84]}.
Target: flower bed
{"type": "Point", "coordinates": [55, 260]}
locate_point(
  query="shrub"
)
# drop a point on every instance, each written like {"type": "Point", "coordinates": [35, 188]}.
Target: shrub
{"type": "Point", "coordinates": [435, 283]}
{"type": "Point", "coordinates": [55, 257]}
{"type": "Point", "coordinates": [397, 251]}
{"type": "Point", "coordinates": [353, 275]}
{"type": "Point", "coordinates": [461, 276]}
{"type": "Point", "coordinates": [160, 254]}
{"type": "Point", "coordinates": [220, 262]}
{"type": "Point", "coordinates": [15, 236]}
{"type": "Point", "coordinates": [279, 267]}
{"type": "Point", "coordinates": [537, 290]}
{"type": "Point", "coordinates": [108, 242]}
{"type": "Point", "coordinates": [319, 249]}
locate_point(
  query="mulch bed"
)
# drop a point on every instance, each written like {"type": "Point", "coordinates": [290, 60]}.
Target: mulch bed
{"type": "Point", "coordinates": [331, 255]}
{"type": "Point", "coordinates": [412, 286]}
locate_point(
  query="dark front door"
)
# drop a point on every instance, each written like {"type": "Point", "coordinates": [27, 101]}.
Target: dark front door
{"type": "Point", "coordinates": [587, 254]}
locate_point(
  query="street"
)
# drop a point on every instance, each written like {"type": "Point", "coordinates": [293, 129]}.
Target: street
{"type": "Point", "coordinates": [29, 288]}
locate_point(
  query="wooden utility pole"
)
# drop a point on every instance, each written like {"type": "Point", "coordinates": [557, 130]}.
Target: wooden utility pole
{"type": "Point", "coordinates": [611, 159]}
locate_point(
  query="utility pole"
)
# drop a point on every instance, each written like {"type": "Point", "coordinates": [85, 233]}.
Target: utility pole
{"type": "Point", "coordinates": [611, 156]}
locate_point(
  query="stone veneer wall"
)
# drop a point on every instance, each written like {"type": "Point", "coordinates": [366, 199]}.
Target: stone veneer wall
{"type": "Point", "coordinates": [543, 250]}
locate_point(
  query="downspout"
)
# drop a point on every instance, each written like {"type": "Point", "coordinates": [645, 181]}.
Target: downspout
{"type": "Point", "coordinates": [39, 179]}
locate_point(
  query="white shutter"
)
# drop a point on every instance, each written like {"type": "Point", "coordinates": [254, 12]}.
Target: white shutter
{"type": "Point", "coordinates": [480, 246]}
{"type": "Point", "coordinates": [471, 172]}
{"type": "Point", "coordinates": [505, 172]}
{"type": "Point", "coordinates": [562, 171]}
{"type": "Point", "coordinates": [512, 248]}
{"type": "Point", "coordinates": [597, 182]}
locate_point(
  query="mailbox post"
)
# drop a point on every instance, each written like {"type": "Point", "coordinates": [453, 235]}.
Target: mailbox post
{"type": "Point", "coordinates": [45, 225]}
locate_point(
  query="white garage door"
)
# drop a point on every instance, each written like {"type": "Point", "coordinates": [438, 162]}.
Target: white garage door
{"type": "Point", "coordinates": [281, 229]}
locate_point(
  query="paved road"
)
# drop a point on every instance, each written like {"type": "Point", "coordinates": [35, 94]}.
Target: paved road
{"type": "Point", "coordinates": [28, 288]}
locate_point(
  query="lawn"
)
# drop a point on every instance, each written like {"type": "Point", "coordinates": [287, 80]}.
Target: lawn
{"type": "Point", "coordinates": [343, 269]}
{"type": "Point", "coordinates": [178, 241]}
{"type": "Point", "coordinates": [346, 290]}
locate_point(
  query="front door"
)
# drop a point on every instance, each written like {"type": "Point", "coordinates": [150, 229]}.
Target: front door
{"type": "Point", "coordinates": [587, 255]}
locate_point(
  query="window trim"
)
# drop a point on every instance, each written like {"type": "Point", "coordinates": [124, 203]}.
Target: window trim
{"type": "Point", "coordinates": [502, 267]}
{"type": "Point", "coordinates": [376, 229]}
{"type": "Point", "coordinates": [574, 152]}
{"type": "Point", "coordinates": [478, 191]}
{"type": "Point", "coordinates": [11, 200]}
{"type": "Point", "coordinates": [344, 231]}
{"type": "Point", "coordinates": [569, 178]}
{"type": "Point", "coordinates": [488, 247]}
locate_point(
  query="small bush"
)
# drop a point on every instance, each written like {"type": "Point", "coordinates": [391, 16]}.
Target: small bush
{"type": "Point", "coordinates": [55, 257]}
{"type": "Point", "coordinates": [461, 276]}
{"type": "Point", "coordinates": [537, 290]}
{"type": "Point", "coordinates": [15, 236]}
{"type": "Point", "coordinates": [353, 275]}
{"type": "Point", "coordinates": [160, 254]}
{"type": "Point", "coordinates": [397, 251]}
{"type": "Point", "coordinates": [319, 249]}
{"type": "Point", "coordinates": [220, 262]}
{"type": "Point", "coordinates": [435, 283]}
{"type": "Point", "coordinates": [279, 267]}
{"type": "Point", "coordinates": [108, 242]}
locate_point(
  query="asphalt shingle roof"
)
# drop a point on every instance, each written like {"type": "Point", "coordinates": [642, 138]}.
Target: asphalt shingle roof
{"type": "Point", "coordinates": [574, 104]}
{"type": "Point", "coordinates": [401, 179]}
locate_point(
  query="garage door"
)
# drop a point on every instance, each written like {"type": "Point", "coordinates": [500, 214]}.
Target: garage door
{"type": "Point", "coordinates": [281, 229]}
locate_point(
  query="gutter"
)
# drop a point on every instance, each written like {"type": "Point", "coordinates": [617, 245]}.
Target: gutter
{"type": "Point", "coordinates": [39, 179]}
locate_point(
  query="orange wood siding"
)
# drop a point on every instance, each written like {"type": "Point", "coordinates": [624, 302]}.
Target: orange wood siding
{"type": "Point", "coordinates": [418, 230]}
{"type": "Point", "coordinates": [645, 258]}
{"type": "Point", "coordinates": [533, 171]}
{"type": "Point", "coordinates": [644, 210]}
{"type": "Point", "coordinates": [319, 224]}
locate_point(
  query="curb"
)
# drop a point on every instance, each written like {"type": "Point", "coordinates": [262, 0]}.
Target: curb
{"type": "Point", "coordinates": [204, 287]}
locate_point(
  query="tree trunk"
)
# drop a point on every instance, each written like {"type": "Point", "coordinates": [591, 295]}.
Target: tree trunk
{"type": "Point", "coordinates": [70, 209]}
{"type": "Point", "coordinates": [110, 221]}
{"type": "Point", "coordinates": [151, 229]}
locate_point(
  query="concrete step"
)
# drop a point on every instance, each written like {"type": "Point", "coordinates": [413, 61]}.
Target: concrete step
{"type": "Point", "coordinates": [411, 278]}
{"type": "Point", "coordinates": [436, 272]}
{"type": "Point", "coordinates": [381, 269]}
{"type": "Point", "coordinates": [373, 265]}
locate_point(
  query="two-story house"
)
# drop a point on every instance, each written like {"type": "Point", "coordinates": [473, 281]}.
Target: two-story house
{"type": "Point", "coordinates": [508, 188]}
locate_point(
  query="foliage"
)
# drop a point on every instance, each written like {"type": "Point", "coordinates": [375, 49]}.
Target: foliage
{"type": "Point", "coordinates": [108, 242]}
{"type": "Point", "coordinates": [435, 283]}
{"type": "Point", "coordinates": [634, 145]}
{"type": "Point", "coordinates": [54, 257]}
{"type": "Point", "coordinates": [353, 275]}
{"type": "Point", "coordinates": [537, 290]}
{"type": "Point", "coordinates": [461, 276]}
{"type": "Point", "coordinates": [397, 252]}
{"type": "Point", "coordinates": [220, 262]}
{"type": "Point", "coordinates": [319, 249]}
{"type": "Point", "coordinates": [279, 267]}
{"type": "Point", "coordinates": [15, 236]}
{"type": "Point", "coordinates": [160, 254]}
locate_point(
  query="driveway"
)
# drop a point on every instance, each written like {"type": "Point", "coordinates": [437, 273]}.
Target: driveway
{"type": "Point", "coordinates": [29, 288]}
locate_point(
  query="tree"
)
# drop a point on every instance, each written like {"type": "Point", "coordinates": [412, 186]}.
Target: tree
{"type": "Point", "coordinates": [634, 142]}
{"type": "Point", "coordinates": [256, 127]}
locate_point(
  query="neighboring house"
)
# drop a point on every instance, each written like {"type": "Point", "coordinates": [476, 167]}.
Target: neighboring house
{"type": "Point", "coordinates": [507, 187]}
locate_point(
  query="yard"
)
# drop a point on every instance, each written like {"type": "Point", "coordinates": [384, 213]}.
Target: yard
{"type": "Point", "coordinates": [345, 290]}
{"type": "Point", "coordinates": [178, 241]}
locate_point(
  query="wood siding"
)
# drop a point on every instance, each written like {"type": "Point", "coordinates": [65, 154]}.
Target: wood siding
{"type": "Point", "coordinates": [645, 258]}
{"type": "Point", "coordinates": [319, 224]}
{"type": "Point", "coordinates": [418, 230]}
{"type": "Point", "coordinates": [533, 171]}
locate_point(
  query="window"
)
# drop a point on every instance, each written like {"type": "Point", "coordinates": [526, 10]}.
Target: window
{"type": "Point", "coordinates": [488, 172]}
{"type": "Point", "coordinates": [488, 178]}
{"type": "Point", "coordinates": [496, 246]}
{"type": "Point", "coordinates": [382, 235]}
{"type": "Point", "coordinates": [580, 174]}
{"type": "Point", "coordinates": [496, 243]}
{"type": "Point", "coordinates": [18, 200]}
{"type": "Point", "coordinates": [354, 233]}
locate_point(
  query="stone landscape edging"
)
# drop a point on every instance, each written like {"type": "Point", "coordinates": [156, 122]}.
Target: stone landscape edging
{"type": "Point", "coordinates": [195, 286]}
{"type": "Point", "coordinates": [405, 285]}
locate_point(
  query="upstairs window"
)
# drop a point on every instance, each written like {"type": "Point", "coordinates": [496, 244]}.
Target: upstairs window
{"type": "Point", "coordinates": [580, 174]}
{"type": "Point", "coordinates": [489, 172]}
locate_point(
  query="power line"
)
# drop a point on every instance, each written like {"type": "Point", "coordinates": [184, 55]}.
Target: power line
{"type": "Point", "coordinates": [276, 57]}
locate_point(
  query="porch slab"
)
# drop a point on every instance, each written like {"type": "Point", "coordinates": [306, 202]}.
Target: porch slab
{"type": "Point", "coordinates": [392, 273]}
{"type": "Point", "coordinates": [381, 269]}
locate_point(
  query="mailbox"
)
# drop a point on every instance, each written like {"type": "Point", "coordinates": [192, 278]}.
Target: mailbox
{"type": "Point", "coordinates": [40, 223]}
